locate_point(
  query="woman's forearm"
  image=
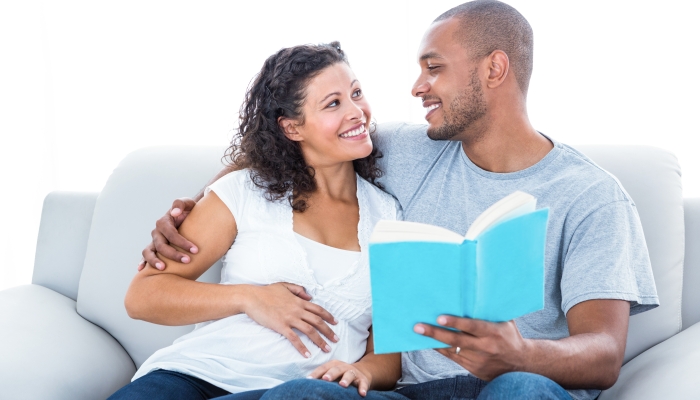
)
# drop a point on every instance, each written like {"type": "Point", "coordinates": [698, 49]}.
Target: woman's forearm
{"type": "Point", "coordinates": [168, 299]}
{"type": "Point", "coordinates": [385, 369]}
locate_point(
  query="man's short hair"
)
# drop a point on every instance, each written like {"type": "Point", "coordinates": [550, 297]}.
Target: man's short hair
{"type": "Point", "coordinates": [488, 25]}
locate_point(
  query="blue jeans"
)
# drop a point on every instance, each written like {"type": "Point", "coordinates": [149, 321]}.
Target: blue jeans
{"type": "Point", "coordinates": [169, 385]}
{"type": "Point", "coordinates": [513, 385]}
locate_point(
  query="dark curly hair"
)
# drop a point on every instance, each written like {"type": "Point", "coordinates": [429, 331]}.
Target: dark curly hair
{"type": "Point", "coordinates": [279, 90]}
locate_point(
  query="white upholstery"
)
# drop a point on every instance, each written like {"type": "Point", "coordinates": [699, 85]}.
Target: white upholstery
{"type": "Point", "coordinates": [691, 271]}
{"type": "Point", "coordinates": [63, 235]}
{"type": "Point", "coordinates": [137, 193]}
{"type": "Point", "coordinates": [49, 352]}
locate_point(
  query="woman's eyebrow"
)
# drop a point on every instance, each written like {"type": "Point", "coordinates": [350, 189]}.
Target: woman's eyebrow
{"type": "Point", "coordinates": [336, 93]}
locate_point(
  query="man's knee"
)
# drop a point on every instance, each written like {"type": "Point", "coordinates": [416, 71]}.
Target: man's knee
{"type": "Point", "coordinates": [523, 385]}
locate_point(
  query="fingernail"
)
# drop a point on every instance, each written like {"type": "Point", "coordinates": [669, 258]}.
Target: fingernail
{"type": "Point", "coordinates": [335, 321]}
{"type": "Point", "coordinates": [419, 329]}
{"type": "Point", "coordinates": [328, 348]}
{"type": "Point", "coordinates": [159, 266]}
{"type": "Point", "coordinates": [326, 377]}
{"type": "Point", "coordinates": [363, 392]}
{"type": "Point", "coordinates": [343, 383]}
{"type": "Point", "coordinates": [309, 377]}
{"type": "Point", "coordinates": [336, 338]}
{"type": "Point", "coordinates": [194, 250]}
{"type": "Point", "coordinates": [442, 320]}
{"type": "Point", "coordinates": [307, 354]}
{"type": "Point", "coordinates": [176, 210]}
{"type": "Point", "coordinates": [185, 259]}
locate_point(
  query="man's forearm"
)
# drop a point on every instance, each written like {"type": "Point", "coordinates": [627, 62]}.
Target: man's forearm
{"type": "Point", "coordinates": [583, 361]}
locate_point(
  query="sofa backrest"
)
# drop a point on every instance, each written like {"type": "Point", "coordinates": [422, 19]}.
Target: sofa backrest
{"type": "Point", "coordinates": [652, 178]}
{"type": "Point", "coordinates": [691, 264]}
{"type": "Point", "coordinates": [63, 234]}
{"type": "Point", "coordinates": [139, 191]}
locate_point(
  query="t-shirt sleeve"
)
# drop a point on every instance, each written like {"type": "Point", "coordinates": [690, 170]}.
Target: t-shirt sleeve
{"type": "Point", "coordinates": [607, 258]}
{"type": "Point", "coordinates": [232, 189]}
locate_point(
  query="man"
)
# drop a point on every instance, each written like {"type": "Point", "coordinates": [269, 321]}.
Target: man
{"type": "Point", "coordinates": [476, 62]}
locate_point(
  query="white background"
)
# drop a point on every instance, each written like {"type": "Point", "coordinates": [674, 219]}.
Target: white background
{"type": "Point", "coordinates": [83, 83]}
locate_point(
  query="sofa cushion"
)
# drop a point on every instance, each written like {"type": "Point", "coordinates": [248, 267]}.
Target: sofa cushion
{"type": "Point", "coordinates": [48, 351]}
{"type": "Point", "coordinates": [668, 370]}
{"type": "Point", "coordinates": [691, 265]}
{"type": "Point", "coordinates": [652, 178]}
{"type": "Point", "coordinates": [139, 191]}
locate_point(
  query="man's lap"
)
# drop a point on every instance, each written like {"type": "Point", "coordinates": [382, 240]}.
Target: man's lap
{"type": "Point", "coordinates": [514, 385]}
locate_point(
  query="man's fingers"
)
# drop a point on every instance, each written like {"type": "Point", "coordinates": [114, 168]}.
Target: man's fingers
{"type": "Point", "coordinates": [318, 323]}
{"type": "Point", "coordinates": [173, 237]}
{"type": "Point", "coordinates": [443, 335]}
{"type": "Point", "coordinates": [181, 205]}
{"type": "Point", "coordinates": [298, 291]}
{"type": "Point", "coordinates": [321, 312]}
{"type": "Point", "coordinates": [297, 343]}
{"type": "Point", "coordinates": [473, 327]}
{"type": "Point", "coordinates": [151, 258]}
{"type": "Point", "coordinates": [142, 264]}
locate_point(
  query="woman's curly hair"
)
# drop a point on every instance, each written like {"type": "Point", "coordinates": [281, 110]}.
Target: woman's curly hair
{"type": "Point", "coordinates": [279, 90]}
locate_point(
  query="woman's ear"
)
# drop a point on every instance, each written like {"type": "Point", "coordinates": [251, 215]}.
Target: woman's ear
{"type": "Point", "coordinates": [289, 128]}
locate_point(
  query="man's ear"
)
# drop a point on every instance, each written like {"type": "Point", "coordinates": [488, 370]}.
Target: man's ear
{"type": "Point", "coordinates": [289, 128]}
{"type": "Point", "coordinates": [498, 67]}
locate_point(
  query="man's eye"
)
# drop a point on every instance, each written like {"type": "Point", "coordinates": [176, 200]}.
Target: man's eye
{"type": "Point", "coordinates": [433, 67]}
{"type": "Point", "coordinates": [357, 93]}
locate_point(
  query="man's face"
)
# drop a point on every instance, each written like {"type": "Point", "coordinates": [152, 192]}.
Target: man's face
{"type": "Point", "coordinates": [449, 85]}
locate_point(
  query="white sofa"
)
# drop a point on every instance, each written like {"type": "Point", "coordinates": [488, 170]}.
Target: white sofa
{"type": "Point", "coordinates": [67, 335]}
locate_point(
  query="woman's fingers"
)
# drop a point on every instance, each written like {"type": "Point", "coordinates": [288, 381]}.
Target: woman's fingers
{"type": "Point", "coordinates": [321, 312]}
{"type": "Point", "coordinates": [313, 334]}
{"type": "Point", "coordinates": [334, 373]}
{"type": "Point", "coordinates": [318, 323]}
{"type": "Point", "coordinates": [296, 342]}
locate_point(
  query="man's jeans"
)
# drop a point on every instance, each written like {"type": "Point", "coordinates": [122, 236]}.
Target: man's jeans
{"type": "Point", "coordinates": [513, 385]}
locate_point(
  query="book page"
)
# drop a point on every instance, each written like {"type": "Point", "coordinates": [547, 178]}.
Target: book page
{"type": "Point", "coordinates": [514, 205]}
{"type": "Point", "coordinates": [403, 231]}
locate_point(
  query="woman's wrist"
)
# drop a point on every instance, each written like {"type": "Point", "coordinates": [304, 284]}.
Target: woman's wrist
{"type": "Point", "coordinates": [245, 296]}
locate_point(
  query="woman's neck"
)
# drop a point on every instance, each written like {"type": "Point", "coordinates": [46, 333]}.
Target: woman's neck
{"type": "Point", "coordinates": [336, 182]}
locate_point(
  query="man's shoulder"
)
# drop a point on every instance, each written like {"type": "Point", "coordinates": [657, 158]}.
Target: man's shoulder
{"type": "Point", "coordinates": [592, 181]}
{"type": "Point", "coordinates": [402, 137]}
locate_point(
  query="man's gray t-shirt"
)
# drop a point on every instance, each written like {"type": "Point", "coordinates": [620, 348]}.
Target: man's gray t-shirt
{"type": "Point", "coordinates": [595, 244]}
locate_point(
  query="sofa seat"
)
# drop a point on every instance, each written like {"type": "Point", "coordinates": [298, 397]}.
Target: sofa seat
{"type": "Point", "coordinates": [71, 357]}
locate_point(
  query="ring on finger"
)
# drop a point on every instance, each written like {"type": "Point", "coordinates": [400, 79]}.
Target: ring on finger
{"type": "Point", "coordinates": [457, 350]}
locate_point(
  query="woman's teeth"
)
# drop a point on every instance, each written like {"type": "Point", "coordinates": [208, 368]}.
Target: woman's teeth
{"type": "Point", "coordinates": [354, 132]}
{"type": "Point", "coordinates": [432, 107]}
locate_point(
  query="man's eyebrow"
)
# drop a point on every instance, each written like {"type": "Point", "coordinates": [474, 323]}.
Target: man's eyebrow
{"type": "Point", "coordinates": [337, 93]}
{"type": "Point", "coordinates": [428, 55]}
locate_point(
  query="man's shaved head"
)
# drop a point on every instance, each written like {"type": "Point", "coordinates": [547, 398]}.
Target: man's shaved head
{"type": "Point", "coordinates": [488, 25]}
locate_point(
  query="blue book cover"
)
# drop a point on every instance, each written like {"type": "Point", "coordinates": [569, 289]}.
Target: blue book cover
{"type": "Point", "coordinates": [497, 276]}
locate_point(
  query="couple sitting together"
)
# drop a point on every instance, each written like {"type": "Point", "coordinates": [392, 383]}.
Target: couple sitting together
{"type": "Point", "coordinates": [310, 175]}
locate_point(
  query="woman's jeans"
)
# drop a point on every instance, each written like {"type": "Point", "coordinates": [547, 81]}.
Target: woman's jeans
{"type": "Point", "coordinates": [162, 384]}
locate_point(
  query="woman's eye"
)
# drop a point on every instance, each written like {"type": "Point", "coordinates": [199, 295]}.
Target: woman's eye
{"type": "Point", "coordinates": [333, 103]}
{"type": "Point", "coordinates": [357, 93]}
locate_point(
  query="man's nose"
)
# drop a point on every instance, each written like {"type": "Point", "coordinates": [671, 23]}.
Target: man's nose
{"type": "Point", "coordinates": [420, 88]}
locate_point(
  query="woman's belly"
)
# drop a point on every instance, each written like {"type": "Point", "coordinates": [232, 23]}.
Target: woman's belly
{"type": "Point", "coordinates": [237, 354]}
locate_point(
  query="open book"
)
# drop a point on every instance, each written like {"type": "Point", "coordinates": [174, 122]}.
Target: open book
{"type": "Point", "coordinates": [418, 272]}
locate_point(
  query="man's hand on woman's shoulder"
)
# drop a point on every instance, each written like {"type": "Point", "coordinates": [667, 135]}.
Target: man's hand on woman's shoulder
{"type": "Point", "coordinates": [165, 235]}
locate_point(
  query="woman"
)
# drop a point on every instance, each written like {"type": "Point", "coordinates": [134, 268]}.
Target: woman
{"type": "Point", "coordinates": [293, 224]}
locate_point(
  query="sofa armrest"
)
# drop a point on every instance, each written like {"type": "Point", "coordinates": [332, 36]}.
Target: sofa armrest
{"type": "Point", "coordinates": [62, 241]}
{"type": "Point", "coordinates": [48, 351]}
{"type": "Point", "coordinates": [668, 370]}
{"type": "Point", "coordinates": [691, 265]}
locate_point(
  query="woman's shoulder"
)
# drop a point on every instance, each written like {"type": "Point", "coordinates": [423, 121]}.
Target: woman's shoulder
{"type": "Point", "coordinates": [381, 204]}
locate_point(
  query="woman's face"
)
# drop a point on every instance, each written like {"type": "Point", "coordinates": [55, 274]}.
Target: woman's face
{"type": "Point", "coordinates": [336, 119]}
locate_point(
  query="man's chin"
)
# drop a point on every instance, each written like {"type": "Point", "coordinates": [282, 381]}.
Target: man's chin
{"type": "Point", "coordinates": [442, 132]}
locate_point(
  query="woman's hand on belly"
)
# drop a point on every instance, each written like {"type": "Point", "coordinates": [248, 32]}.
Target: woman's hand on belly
{"type": "Point", "coordinates": [283, 307]}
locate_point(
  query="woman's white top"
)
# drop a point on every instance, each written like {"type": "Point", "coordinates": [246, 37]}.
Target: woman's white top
{"type": "Point", "coordinates": [235, 353]}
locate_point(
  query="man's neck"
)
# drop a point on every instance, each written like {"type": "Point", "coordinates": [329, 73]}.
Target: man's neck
{"type": "Point", "coordinates": [508, 147]}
